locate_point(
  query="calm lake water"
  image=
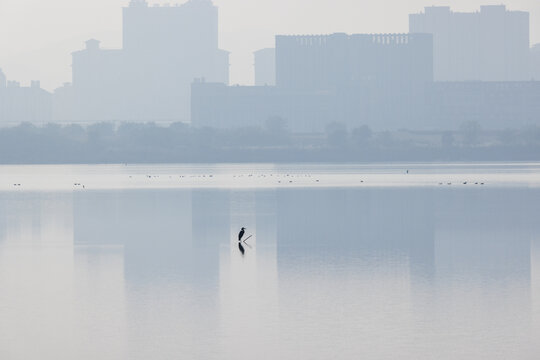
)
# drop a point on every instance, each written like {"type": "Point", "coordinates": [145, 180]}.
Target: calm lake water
{"type": "Point", "coordinates": [345, 262]}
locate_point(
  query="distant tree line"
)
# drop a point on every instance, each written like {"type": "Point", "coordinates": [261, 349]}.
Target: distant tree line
{"type": "Point", "coordinates": [151, 143]}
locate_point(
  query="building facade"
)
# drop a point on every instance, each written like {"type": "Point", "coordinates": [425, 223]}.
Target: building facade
{"type": "Point", "coordinates": [338, 61]}
{"type": "Point", "coordinates": [489, 45]}
{"type": "Point", "coordinates": [225, 107]}
{"type": "Point", "coordinates": [492, 105]}
{"type": "Point", "coordinates": [265, 67]}
{"type": "Point", "coordinates": [101, 84]}
{"type": "Point", "coordinates": [534, 62]}
{"type": "Point", "coordinates": [164, 49]}
{"type": "Point", "coordinates": [444, 106]}
{"type": "Point", "coordinates": [24, 103]}
{"type": "Point", "coordinates": [375, 80]}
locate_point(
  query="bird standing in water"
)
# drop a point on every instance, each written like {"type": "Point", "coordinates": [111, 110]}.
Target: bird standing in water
{"type": "Point", "coordinates": [241, 234]}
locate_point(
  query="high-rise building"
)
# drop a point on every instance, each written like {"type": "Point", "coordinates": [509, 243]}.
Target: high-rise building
{"type": "Point", "coordinates": [100, 84]}
{"type": "Point", "coordinates": [489, 45]}
{"type": "Point", "coordinates": [176, 37]}
{"type": "Point", "coordinates": [337, 61]}
{"type": "Point", "coordinates": [164, 49]}
{"type": "Point", "coordinates": [265, 67]}
{"type": "Point", "coordinates": [376, 79]}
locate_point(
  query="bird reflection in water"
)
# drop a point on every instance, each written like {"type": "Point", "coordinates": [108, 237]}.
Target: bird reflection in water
{"type": "Point", "coordinates": [241, 248]}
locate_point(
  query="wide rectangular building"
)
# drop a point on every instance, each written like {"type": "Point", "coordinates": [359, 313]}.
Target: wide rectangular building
{"type": "Point", "coordinates": [338, 61]}
{"type": "Point", "coordinates": [226, 107]}
{"type": "Point", "coordinates": [490, 104]}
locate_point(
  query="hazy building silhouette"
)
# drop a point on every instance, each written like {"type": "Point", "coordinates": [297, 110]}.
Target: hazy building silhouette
{"type": "Point", "coordinates": [489, 45]}
{"type": "Point", "coordinates": [24, 104]}
{"type": "Point", "coordinates": [378, 80]}
{"type": "Point", "coordinates": [534, 62]}
{"type": "Point", "coordinates": [64, 104]}
{"type": "Point", "coordinates": [3, 80]}
{"type": "Point", "coordinates": [493, 105]}
{"type": "Point", "coordinates": [149, 79]}
{"type": "Point", "coordinates": [331, 62]}
{"type": "Point", "coordinates": [265, 67]}
{"type": "Point", "coordinates": [220, 106]}
{"type": "Point", "coordinates": [174, 45]}
{"type": "Point", "coordinates": [100, 81]}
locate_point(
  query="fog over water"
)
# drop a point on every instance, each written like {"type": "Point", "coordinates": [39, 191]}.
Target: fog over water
{"type": "Point", "coordinates": [389, 266]}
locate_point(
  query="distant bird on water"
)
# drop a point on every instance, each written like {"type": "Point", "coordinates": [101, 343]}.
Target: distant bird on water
{"type": "Point", "coordinates": [241, 234]}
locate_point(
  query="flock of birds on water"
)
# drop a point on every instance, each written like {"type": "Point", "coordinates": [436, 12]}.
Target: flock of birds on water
{"type": "Point", "coordinates": [464, 183]}
{"type": "Point", "coordinates": [241, 176]}
{"type": "Point", "coordinates": [287, 178]}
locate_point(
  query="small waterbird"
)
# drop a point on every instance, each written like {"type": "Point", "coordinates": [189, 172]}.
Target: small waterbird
{"type": "Point", "coordinates": [241, 234]}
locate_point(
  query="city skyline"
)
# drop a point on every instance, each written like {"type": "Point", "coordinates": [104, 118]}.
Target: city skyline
{"type": "Point", "coordinates": [170, 68]}
{"type": "Point", "coordinates": [244, 28]}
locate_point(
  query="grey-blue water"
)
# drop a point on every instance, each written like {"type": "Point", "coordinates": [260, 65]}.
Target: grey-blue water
{"type": "Point", "coordinates": [345, 262]}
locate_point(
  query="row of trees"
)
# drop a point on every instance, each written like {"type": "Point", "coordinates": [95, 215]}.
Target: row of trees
{"type": "Point", "coordinates": [135, 142]}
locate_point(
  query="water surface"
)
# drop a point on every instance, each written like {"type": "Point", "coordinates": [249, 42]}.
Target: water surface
{"type": "Point", "coordinates": [368, 262]}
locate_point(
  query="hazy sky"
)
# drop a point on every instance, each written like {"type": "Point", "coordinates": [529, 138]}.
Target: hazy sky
{"type": "Point", "coordinates": [37, 36]}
